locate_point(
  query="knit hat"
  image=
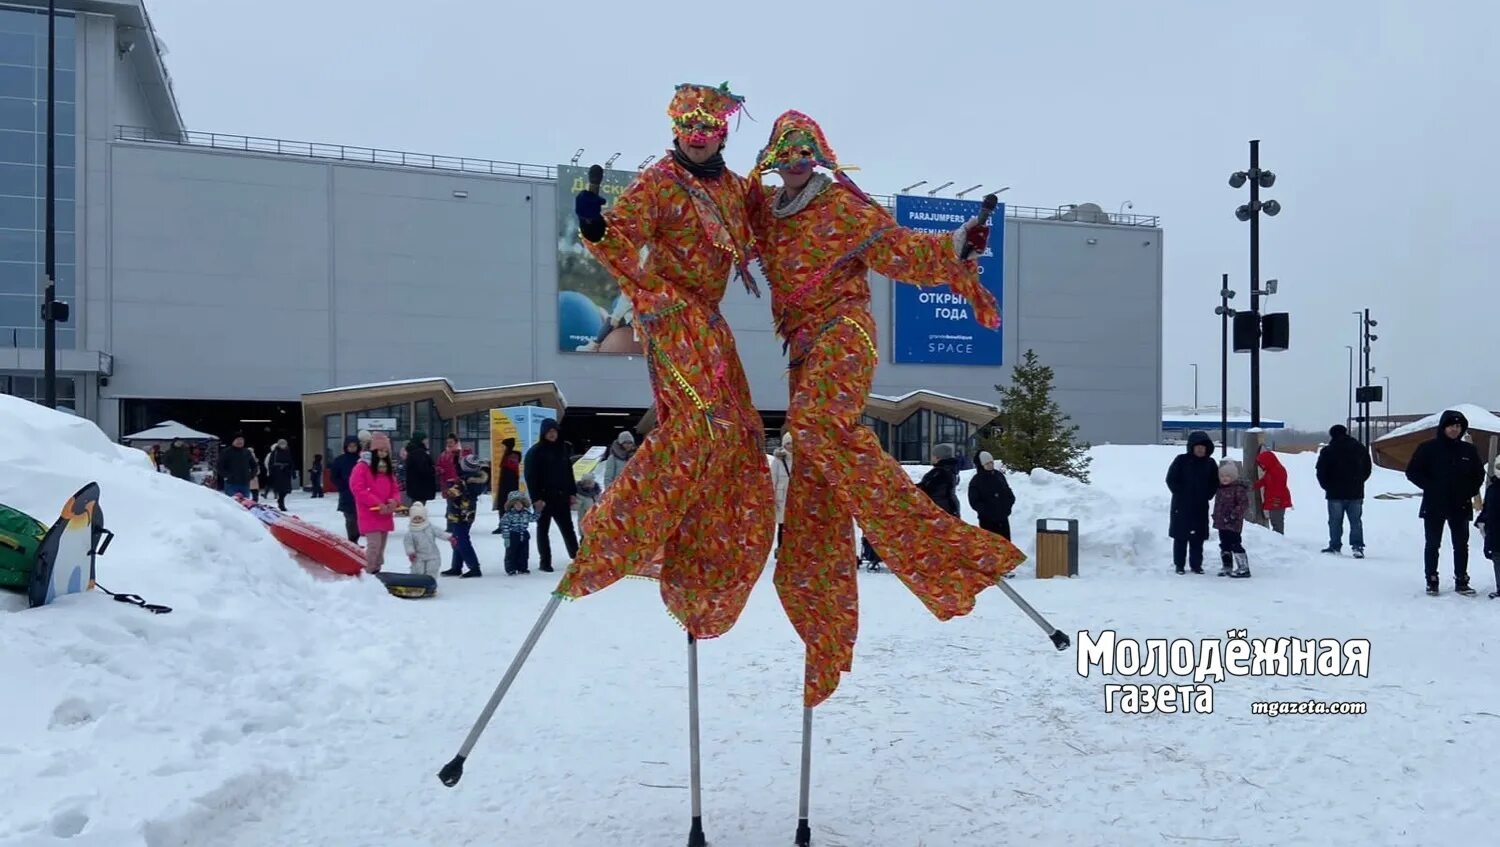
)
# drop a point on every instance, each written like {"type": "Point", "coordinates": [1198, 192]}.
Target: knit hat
{"type": "Point", "coordinates": [700, 113]}
{"type": "Point", "coordinates": [469, 463]}
{"type": "Point", "coordinates": [1338, 431]}
{"type": "Point", "coordinates": [509, 442]}
{"type": "Point", "coordinates": [985, 459]}
{"type": "Point", "coordinates": [625, 438]}
{"type": "Point", "coordinates": [1229, 468]}
{"type": "Point", "coordinates": [418, 514]}
{"type": "Point", "coordinates": [380, 441]}
{"type": "Point", "coordinates": [786, 441]}
{"type": "Point", "coordinates": [943, 451]}
{"type": "Point", "coordinates": [517, 497]}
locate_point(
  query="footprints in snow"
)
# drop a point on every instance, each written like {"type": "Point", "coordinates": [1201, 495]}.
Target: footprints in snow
{"type": "Point", "coordinates": [72, 713]}
{"type": "Point", "coordinates": [69, 822]}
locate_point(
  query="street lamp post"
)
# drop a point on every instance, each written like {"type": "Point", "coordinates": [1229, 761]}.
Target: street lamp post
{"type": "Point", "coordinates": [1224, 313]}
{"type": "Point", "coordinates": [52, 311]}
{"type": "Point", "coordinates": [1349, 416]}
{"type": "Point", "coordinates": [1251, 212]}
{"type": "Point", "coordinates": [1365, 391]}
{"type": "Point", "coordinates": [1387, 399]}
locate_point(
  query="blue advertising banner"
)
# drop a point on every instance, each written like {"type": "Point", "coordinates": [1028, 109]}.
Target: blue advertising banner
{"type": "Point", "coordinates": [934, 326]}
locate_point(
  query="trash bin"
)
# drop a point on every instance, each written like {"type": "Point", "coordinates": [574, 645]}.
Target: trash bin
{"type": "Point", "coordinates": [1056, 549]}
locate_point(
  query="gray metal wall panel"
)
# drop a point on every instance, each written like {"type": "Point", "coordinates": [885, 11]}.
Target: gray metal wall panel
{"type": "Point", "coordinates": [382, 273]}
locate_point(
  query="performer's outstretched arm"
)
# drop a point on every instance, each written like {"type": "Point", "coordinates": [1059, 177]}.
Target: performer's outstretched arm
{"type": "Point", "coordinates": [920, 258]}
{"type": "Point", "coordinates": [615, 237]}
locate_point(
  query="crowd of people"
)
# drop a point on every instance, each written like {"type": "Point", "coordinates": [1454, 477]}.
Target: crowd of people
{"type": "Point", "coordinates": [1447, 469]}
{"type": "Point", "coordinates": [375, 486]}
{"type": "Point", "coordinates": [1207, 496]}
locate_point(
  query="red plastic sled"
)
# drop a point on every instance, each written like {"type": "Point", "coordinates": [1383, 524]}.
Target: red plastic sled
{"type": "Point", "coordinates": [333, 552]}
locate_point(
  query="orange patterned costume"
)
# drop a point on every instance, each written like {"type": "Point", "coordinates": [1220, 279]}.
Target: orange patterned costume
{"type": "Point", "coordinates": [817, 248]}
{"type": "Point", "coordinates": [655, 521]}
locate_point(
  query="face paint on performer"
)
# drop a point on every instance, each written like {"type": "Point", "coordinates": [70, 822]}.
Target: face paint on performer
{"type": "Point", "coordinates": [796, 148]}
{"type": "Point", "coordinates": [700, 119]}
{"type": "Point", "coordinates": [796, 163]}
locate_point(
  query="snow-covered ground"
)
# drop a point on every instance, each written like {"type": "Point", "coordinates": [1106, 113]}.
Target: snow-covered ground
{"type": "Point", "coordinates": [273, 707]}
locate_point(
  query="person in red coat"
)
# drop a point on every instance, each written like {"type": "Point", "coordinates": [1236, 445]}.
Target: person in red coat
{"type": "Point", "coordinates": [1275, 496]}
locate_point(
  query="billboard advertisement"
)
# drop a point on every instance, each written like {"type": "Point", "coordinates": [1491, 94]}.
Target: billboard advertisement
{"type": "Point", "coordinates": [934, 326]}
{"type": "Point", "coordinates": [524, 424]}
{"type": "Point", "coordinates": [592, 315]}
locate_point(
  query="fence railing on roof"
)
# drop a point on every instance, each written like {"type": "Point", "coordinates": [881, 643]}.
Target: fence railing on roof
{"type": "Point", "coordinates": [339, 152]}
{"type": "Point", "coordinates": [464, 164]}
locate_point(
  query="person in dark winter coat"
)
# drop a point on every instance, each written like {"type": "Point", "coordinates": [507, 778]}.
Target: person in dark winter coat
{"type": "Point", "coordinates": [1193, 480]}
{"type": "Point", "coordinates": [1231, 504]}
{"type": "Point", "coordinates": [315, 476]}
{"type": "Point", "coordinates": [421, 474]}
{"type": "Point", "coordinates": [237, 467]}
{"type": "Point", "coordinates": [941, 483]}
{"type": "Point", "coordinates": [1449, 472]}
{"type": "Point", "coordinates": [179, 460]}
{"type": "Point", "coordinates": [1489, 524]}
{"type": "Point", "coordinates": [1343, 467]}
{"type": "Point", "coordinates": [342, 470]}
{"type": "Point", "coordinates": [991, 498]}
{"type": "Point", "coordinates": [549, 481]}
{"type": "Point", "coordinates": [279, 467]}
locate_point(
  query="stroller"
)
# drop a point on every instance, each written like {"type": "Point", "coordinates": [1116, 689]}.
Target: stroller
{"type": "Point", "coordinates": [868, 557]}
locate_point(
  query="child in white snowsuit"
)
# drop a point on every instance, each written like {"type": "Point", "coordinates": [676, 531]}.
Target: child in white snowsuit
{"type": "Point", "coordinates": [515, 527]}
{"type": "Point", "coordinates": [421, 542]}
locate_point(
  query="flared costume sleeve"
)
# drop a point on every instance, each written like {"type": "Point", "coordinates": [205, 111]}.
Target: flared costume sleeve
{"type": "Point", "coordinates": [919, 258]}
{"type": "Point", "coordinates": [681, 338]}
{"type": "Point", "coordinates": [630, 224]}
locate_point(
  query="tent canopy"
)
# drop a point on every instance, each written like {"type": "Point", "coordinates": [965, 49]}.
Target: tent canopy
{"type": "Point", "coordinates": [1395, 450]}
{"type": "Point", "coordinates": [169, 431]}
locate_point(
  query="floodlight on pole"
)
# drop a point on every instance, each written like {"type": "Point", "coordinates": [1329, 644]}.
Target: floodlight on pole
{"type": "Point", "coordinates": [610, 162]}
{"type": "Point", "coordinates": [576, 156]}
{"type": "Point", "coordinates": [646, 161]}
{"type": "Point", "coordinates": [970, 188]}
{"type": "Point", "coordinates": [912, 186]}
{"type": "Point", "coordinates": [999, 190]}
{"type": "Point", "coordinates": [934, 191]}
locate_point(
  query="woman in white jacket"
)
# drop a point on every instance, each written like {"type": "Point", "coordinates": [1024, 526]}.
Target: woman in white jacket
{"type": "Point", "coordinates": [781, 477]}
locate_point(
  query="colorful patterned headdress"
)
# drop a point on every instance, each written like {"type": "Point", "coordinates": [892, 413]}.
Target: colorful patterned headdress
{"type": "Point", "coordinates": [700, 113]}
{"type": "Point", "coordinates": [795, 139]}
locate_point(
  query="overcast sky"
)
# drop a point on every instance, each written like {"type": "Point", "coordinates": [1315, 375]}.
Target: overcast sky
{"type": "Point", "coordinates": [1379, 118]}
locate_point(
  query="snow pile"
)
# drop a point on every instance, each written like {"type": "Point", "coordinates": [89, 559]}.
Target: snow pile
{"type": "Point", "coordinates": [136, 729]}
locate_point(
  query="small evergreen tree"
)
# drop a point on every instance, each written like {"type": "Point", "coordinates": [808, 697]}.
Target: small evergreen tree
{"type": "Point", "coordinates": [1033, 431]}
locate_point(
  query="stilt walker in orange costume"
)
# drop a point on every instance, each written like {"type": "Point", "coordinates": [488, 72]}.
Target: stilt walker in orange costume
{"type": "Point", "coordinates": [818, 237]}
{"type": "Point", "coordinates": [689, 212]}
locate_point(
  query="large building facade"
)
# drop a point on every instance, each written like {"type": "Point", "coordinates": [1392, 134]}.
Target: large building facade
{"type": "Point", "coordinates": [207, 269]}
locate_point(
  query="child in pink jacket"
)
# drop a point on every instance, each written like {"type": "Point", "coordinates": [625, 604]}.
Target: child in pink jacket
{"type": "Point", "coordinates": [376, 497]}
